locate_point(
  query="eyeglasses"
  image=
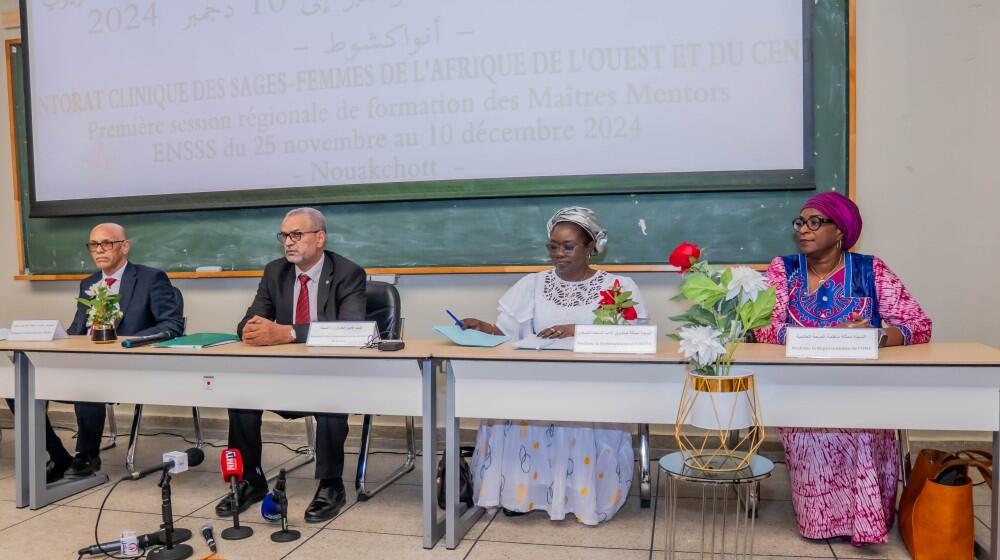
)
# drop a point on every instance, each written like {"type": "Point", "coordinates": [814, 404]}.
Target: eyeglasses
{"type": "Point", "coordinates": [107, 245]}
{"type": "Point", "coordinates": [814, 223]}
{"type": "Point", "coordinates": [567, 247]}
{"type": "Point", "coordinates": [295, 236]}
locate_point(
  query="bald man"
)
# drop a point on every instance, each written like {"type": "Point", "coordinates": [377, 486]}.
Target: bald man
{"type": "Point", "coordinates": [150, 305]}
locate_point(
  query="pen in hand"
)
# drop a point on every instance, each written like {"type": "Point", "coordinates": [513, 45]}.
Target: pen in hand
{"type": "Point", "coordinates": [454, 318]}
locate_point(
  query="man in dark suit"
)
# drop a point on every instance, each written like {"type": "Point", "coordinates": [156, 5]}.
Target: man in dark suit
{"type": "Point", "coordinates": [149, 305]}
{"type": "Point", "coordinates": [309, 284]}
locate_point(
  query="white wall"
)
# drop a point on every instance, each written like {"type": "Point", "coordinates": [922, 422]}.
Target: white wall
{"type": "Point", "coordinates": [928, 115]}
{"type": "Point", "coordinates": [928, 78]}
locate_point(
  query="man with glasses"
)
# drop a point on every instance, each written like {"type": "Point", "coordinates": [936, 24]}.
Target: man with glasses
{"type": "Point", "coordinates": [149, 304]}
{"type": "Point", "coordinates": [309, 284]}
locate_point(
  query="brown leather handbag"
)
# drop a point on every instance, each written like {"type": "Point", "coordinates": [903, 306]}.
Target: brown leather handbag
{"type": "Point", "coordinates": [936, 518]}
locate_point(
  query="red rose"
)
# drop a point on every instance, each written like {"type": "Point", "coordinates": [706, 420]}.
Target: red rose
{"type": "Point", "coordinates": [630, 314]}
{"type": "Point", "coordinates": [684, 255]}
{"type": "Point", "coordinates": [618, 285]}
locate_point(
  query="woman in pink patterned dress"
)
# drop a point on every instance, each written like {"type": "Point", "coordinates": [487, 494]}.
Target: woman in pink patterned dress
{"type": "Point", "coordinates": [843, 481]}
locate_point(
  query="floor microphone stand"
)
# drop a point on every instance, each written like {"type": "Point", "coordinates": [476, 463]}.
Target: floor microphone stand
{"type": "Point", "coordinates": [170, 551]}
{"type": "Point", "coordinates": [236, 533]}
{"type": "Point", "coordinates": [285, 534]}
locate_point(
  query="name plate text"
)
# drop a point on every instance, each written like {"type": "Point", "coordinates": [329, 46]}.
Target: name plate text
{"type": "Point", "coordinates": [854, 344]}
{"type": "Point", "coordinates": [37, 331]}
{"type": "Point", "coordinates": [615, 339]}
{"type": "Point", "coordinates": [355, 334]}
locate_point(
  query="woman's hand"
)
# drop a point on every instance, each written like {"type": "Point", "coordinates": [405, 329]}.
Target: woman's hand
{"type": "Point", "coordinates": [558, 331]}
{"type": "Point", "coordinates": [482, 326]}
{"type": "Point", "coordinates": [855, 321]}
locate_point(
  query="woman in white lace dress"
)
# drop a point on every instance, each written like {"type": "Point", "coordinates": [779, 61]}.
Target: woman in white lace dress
{"type": "Point", "coordinates": [583, 468]}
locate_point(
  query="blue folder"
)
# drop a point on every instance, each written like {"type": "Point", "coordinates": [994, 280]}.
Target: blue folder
{"type": "Point", "coordinates": [471, 337]}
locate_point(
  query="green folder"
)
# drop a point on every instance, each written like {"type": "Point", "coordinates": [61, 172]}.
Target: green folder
{"type": "Point", "coordinates": [199, 340]}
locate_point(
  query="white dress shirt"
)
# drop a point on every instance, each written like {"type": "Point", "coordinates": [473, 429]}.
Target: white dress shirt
{"type": "Point", "coordinates": [114, 288]}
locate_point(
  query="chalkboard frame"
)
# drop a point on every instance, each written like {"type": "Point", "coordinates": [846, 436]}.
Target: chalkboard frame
{"type": "Point", "coordinates": [504, 187]}
{"type": "Point", "coordinates": [848, 186]}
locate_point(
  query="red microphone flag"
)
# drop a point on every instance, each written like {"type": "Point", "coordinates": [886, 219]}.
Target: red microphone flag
{"type": "Point", "coordinates": [231, 463]}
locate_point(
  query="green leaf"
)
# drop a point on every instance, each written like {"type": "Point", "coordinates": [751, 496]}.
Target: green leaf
{"type": "Point", "coordinates": [761, 310]}
{"type": "Point", "coordinates": [85, 301]}
{"type": "Point", "coordinates": [674, 336]}
{"type": "Point", "coordinates": [701, 316]}
{"type": "Point", "coordinates": [729, 307]}
{"type": "Point", "coordinates": [727, 277]}
{"type": "Point", "coordinates": [682, 318]}
{"type": "Point", "coordinates": [701, 289]}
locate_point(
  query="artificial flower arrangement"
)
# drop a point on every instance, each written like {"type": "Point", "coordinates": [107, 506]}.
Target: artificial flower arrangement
{"type": "Point", "coordinates": [725, 306]}
{"type": "Point", "coordinates": [102, 306]}
{"type": "Point", "coordinates": [616, 307]}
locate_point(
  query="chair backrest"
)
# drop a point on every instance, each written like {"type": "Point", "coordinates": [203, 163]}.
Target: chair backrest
{"type": "Point", "coordinates": [180, 304]}
{"type": "Point", "coordinates": [384, 308]}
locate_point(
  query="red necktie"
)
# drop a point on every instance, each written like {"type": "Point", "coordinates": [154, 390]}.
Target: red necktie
{"type": "Point", "coordinates": [302, 305]}
{"type": "Point", "coordinates": [109, 281]}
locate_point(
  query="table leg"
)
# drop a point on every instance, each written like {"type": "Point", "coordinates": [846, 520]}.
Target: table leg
{"type": "Point", "coordinates": [457, 524]}
{"type": "Point", "coordinates": [433, 528]}
{"type": "Point", "coordinates": [645, 481]}
{"type": "Point", "coordinates": [40, 493]}
{"type": "Point", "coordinates": [994, 502]}
{"type": "Point", "coordinates": [22, 451]}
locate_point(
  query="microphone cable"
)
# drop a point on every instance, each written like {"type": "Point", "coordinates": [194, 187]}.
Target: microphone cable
{"type": "Point", "coordinates": [97, 539]}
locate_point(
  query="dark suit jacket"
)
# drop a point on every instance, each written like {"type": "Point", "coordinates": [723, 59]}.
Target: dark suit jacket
{"type": "Point", "coordinates": [340, 294]}
{"type": "Point", "coordinates": [148, 299]}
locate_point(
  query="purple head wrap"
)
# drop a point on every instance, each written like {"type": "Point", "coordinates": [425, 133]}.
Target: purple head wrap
{"type": "Point", "coordinates": [842, 211]}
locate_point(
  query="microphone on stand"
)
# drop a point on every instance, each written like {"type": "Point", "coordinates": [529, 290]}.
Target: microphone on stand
{"type": "Point", "coordinates": [175, 461]}
{"type": "Point", "coordinates": [285, 534]}
{"type": "Point", "coordinates": [231, 464]}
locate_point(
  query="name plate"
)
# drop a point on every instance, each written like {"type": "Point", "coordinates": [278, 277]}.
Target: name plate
{"type": "Point", "coordinates": [615, 339]}
{"type": "Point", "coordinates": [37, 331]}
{"type": "Point", "coordinates": [355, 334]}
{"type": "Point", "coordinates": [856, 344]}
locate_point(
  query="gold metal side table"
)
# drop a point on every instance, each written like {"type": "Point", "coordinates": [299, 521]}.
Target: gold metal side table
{"type": "Point", "coordinates": [726, 529]}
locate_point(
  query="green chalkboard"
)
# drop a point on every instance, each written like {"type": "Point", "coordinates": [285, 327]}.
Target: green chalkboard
{"type": "Point", "coordinates": [748, 225]}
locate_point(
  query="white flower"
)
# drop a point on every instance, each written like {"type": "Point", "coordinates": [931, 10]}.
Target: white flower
{"type": "Point", "coordinates": [92, 290]}
{"type": "Point", "coordinates": [702, 344]}
{"type": "Point", "coordinates": [747, 280]}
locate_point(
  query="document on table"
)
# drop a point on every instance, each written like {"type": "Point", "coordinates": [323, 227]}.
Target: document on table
{"type": "Point", "coordinates": [4, 333]}
{"type": "Point", "coordinates": [532, 342]}
{"type": "Point", "coordinates": [470, 337]}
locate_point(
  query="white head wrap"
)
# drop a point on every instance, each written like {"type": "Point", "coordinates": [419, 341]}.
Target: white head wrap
{"type": "Point", "coordinates": [586, 219]}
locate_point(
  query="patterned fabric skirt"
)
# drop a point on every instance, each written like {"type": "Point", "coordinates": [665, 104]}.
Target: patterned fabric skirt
{"type": "Point", "coordinates": [583, 469]}
{"type": "Point", "coordinates": [843, 482]}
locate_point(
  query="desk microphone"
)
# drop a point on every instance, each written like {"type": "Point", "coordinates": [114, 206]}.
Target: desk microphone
{"type": "Point", "coordinates": [137, 341]}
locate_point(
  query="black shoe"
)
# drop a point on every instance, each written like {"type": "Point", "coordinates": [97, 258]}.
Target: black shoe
{"type": "Point", "coordinates": [326, 504]}
{"type": "Point", "coordinates": [55, 471]}
{"type": "Point", "coordinates": [248, 495]}
{"type": "Point", "coordinates": [84, 465]}
{"type": "Point", "coordinates": [512, 513]}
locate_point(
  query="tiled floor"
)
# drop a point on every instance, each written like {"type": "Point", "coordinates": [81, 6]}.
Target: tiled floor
{"type": "Point", "coordinates": [388, 526]}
